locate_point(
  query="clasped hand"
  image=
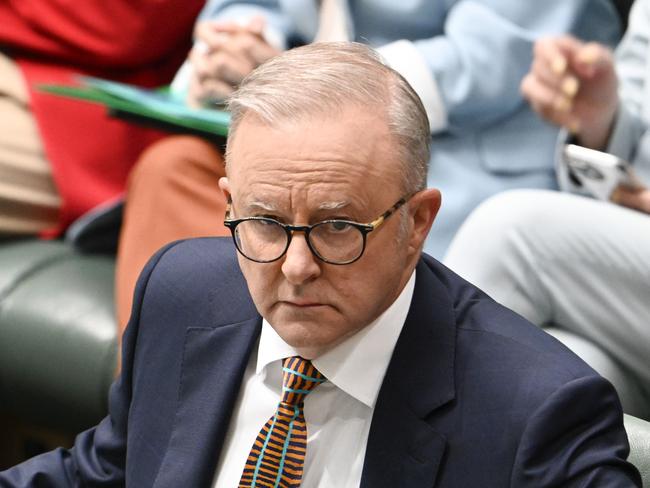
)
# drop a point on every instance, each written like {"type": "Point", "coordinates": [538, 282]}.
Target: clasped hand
{"type": "Point", "coordinates": [225, 52]}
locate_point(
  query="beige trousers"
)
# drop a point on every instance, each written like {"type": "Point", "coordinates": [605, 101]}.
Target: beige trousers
{"type": "Point", "coordinates": [29, 201]}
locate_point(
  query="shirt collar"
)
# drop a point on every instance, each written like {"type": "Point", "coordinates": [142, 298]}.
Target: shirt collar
{"type": "Point", "coordinates": [358, 364]}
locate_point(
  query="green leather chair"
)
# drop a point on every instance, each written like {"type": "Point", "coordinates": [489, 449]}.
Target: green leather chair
{"type": "Point", "coordinates": [58, 340]}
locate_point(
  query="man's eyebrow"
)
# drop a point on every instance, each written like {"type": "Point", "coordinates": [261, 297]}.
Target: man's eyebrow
{"type": "Point", "coordinates": [333, 205]}
{"type": "Point", "coordinates": [259, 205]}
{"type": "Point", "coordinates": [270, 207]}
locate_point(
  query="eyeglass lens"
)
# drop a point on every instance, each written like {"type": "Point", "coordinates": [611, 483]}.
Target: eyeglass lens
{"type": "Point", "coordinates": [266, 240]}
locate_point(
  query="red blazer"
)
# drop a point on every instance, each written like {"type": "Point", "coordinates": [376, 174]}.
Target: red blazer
{"type": "Point", "coordinates": [134, 41]}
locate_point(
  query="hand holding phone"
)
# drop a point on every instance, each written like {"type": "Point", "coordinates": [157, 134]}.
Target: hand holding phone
{"type": "Point", "coordinates": [600, 173]}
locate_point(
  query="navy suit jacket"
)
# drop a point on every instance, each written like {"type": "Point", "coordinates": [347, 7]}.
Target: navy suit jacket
{"type": "Point", "coordinates": [474, 395]}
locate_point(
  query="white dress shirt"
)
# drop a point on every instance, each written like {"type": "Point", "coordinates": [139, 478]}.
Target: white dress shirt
{"type": "Point", "coordinates": [338, 413]}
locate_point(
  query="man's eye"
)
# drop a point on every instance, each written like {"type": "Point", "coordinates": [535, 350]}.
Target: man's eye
{"type": "Point", "coordinates": [339, 226]}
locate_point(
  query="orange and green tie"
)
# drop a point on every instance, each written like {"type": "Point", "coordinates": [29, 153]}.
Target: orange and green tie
{"type": "Point", "coordinates": [278, 454]}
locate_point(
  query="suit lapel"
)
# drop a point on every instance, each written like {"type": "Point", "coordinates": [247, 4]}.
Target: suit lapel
{"type": "Point", "coordinates": [403, 449]}
{"type": "Point", "coordinates": [214, 361]}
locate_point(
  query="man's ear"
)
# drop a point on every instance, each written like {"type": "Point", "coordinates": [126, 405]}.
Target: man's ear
{"type": "Point", "coordinates": [423, 208]}
{"type": "Point", "coordinates": [224, 184]}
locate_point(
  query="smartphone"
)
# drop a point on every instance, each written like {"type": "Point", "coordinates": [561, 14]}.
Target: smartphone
{"type": "Point", "coordinates": [598, 172]}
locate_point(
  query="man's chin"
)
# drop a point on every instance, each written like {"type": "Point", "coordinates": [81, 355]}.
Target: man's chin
{"type": "Point", "coordinates": [305, 336]}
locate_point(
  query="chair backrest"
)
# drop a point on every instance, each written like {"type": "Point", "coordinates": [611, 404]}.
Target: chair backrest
{"type": "Point", "coordinates": [638, 432]}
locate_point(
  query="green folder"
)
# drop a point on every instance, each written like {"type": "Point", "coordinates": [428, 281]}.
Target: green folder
{"type": "Point", "coordinates": [157, 108]}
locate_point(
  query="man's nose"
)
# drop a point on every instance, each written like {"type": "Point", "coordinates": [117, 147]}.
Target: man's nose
{"type": "Point", "coordinates": [300, 265]}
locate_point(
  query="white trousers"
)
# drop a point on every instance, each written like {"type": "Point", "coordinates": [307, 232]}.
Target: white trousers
{"type": "Point", "coordinates": [568, 262]}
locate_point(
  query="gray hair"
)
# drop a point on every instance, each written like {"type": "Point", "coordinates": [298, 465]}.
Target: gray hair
{"type": "Point", "coordinates": [324, 78]}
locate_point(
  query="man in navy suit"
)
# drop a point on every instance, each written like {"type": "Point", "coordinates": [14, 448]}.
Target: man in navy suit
{"type": "Point", "coordinates": [429, 381]}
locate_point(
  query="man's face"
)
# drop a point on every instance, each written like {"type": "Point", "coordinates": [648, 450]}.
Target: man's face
{"type": "Point", "coordinates": [305, 172]}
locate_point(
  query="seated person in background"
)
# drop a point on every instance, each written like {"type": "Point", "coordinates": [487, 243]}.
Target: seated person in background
{"type": "Point", "coordinates": [465, 59]}
{"type": "Point", "coordinates": [391, 370]}
{"type": "Point", "coordinates": [58, 157]}
{"type": "Point", "coordinates": [566, 261]}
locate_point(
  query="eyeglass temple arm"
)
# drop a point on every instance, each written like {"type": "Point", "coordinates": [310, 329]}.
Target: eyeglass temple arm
{"type": "Point", "coordinates": [382, 218]}
{"type": "Point", "coordinates": [228, 209]}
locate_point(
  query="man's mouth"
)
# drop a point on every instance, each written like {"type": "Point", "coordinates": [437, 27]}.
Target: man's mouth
{"type": "Point", "coordinates": [302, 303]}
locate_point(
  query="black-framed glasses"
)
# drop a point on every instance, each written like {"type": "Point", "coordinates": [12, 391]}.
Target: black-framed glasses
{"type": "Point", "coordinates": [336, 241]}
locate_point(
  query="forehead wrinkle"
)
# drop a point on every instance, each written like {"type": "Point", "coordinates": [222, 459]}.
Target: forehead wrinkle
{"type": "Point", "coordinates": [279, 184]}
{"type": "Point", "coordinates": [297, 166]}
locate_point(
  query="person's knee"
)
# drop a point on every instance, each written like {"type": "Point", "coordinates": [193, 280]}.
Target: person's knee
{"type": "Point", "coordinates": [498, 232]}
{"type": "Point", "coordinates": [497, 217]}
{"type": "Point", "coordinates": [514, 210]}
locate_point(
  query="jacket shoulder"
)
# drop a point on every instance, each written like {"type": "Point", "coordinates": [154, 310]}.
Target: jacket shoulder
{"type": "Point", "coordinates": [195, 278]}
{"type": "Point", "coordinates": [490, 335]}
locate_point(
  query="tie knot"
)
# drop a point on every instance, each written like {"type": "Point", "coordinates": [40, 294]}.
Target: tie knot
{"type": "Point", "coordinates": [299, 377]}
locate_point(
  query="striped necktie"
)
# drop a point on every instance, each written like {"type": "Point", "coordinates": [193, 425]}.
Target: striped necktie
{"type": "Point", "coordinates": [278, 454]}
